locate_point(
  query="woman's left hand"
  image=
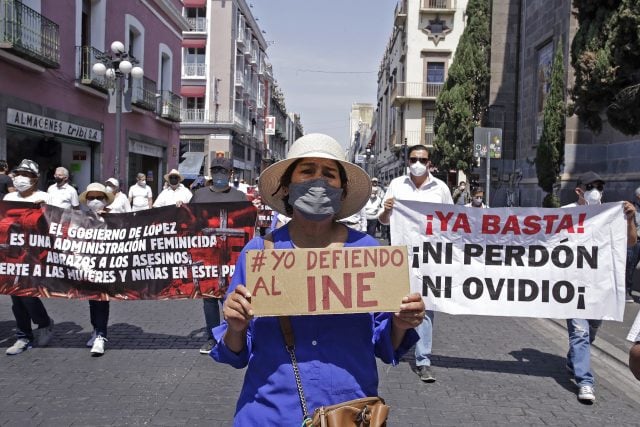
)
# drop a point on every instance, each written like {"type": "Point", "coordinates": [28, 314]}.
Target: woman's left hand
{"type": "Point", "coordinates": [411, 312]}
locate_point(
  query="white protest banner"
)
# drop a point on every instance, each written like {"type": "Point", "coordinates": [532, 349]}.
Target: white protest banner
{"type": "Point", "coordinates": [327, 281]}
{"type": "Point", "coordinates": [528, 262]}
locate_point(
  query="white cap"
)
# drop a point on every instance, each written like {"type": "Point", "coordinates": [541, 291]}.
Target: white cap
{"type": "Point", "coordinates": [113, 182]}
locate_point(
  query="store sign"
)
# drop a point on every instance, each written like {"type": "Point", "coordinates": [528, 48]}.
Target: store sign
{"type": "Point", "coordinates": [48, 124]}
{"type": "Point", "coordinates": [270, 125]}
{"type": "Point", "coordinates": [145, 149]}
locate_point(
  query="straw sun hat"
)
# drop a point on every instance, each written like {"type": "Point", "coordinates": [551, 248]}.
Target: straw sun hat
{"type": "Point", "coordinates": [322, 146]}
{"type": "Point", "coordinates": [97, 187]}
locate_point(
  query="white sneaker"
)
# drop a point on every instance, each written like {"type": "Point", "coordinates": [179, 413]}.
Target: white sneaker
{"type": "Point", "coordinates": [44, 335]}
{"type": "Point", "coordinates": [92, 339]}
{"type": "Point", "coordinates": [22, 344]}
{"type": "Point", "coordinates": [585, 393]}
{"type": "Point", "coordinates": [97, 349]}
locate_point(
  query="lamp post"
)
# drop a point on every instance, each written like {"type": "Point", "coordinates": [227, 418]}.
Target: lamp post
{"type": "Point", "coordinates": [116, 67]}
{"type": "Point", "coordinates": [368, 158]}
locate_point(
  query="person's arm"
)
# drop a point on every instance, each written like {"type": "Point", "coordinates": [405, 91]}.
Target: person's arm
{"type": "Point", "coordinates": [385, 214]}
{"type": "Point", "coordinates": [149, 197]}
{"type": "Point", "coordinates": [238, 312]}
{"type": "Point", "coordinates": [411, 315]}
{"type": "Point", "coordinates": [131, 196]}
{"type": "Point", "coordinates": [634, 360]}
{"type": "Point", "coordinates": [632, 232]}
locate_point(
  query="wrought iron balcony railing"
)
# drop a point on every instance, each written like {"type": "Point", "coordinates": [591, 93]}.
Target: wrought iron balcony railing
{"type": "Point", "coordinates": [144, 93]}
{"type": "Point", "coordinates": [170, 108]}
{"type": "Point", "coordinates": [87, 56]}
{"type": "Point", "coordinates": [194, 69]}
{"type": "Point", "coordinates": [198, 24]}
{"type": "Point", "coordinates": [28, 34]}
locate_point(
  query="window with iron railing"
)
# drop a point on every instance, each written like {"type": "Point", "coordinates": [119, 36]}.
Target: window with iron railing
{"type": "Point", "coordinates": [28, 34]}
{"type": "Point", "coordinates": [170, 108]}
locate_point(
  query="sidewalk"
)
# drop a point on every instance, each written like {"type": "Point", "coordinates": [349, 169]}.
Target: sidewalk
{"type": "Point", "coordinates": [490, 370]}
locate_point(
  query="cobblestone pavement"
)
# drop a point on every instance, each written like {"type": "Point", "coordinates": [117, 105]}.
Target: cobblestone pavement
{"type": "Point", "coordinates": [490, 371]}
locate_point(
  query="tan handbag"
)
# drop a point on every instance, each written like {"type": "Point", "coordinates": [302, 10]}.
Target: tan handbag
{"type": "Point", "coordinates": [366, 411]}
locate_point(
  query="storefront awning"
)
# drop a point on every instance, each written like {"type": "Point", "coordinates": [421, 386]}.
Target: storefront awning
{"type": "Point", "coordinates": [194, 43]}
{"type": "Point", "coordinates": [190, 167]}
{"type": "Point", "coordinates": [193, 91]}
{"type": "Point", "coordinates": [194, 3]}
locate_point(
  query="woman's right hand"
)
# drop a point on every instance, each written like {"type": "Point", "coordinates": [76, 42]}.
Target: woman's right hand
{"type": "Point", "coordinates": [237, 309]}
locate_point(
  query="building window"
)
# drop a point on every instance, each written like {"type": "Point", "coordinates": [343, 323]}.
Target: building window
{"type": "Point", "coordinates": [195, 103]}
{"type": "Point", "coordinates": [194, 145]}
{"type": "Point", "coordinates": [134, 42]}
{"type": "Point", "coordinates": [435, 72]}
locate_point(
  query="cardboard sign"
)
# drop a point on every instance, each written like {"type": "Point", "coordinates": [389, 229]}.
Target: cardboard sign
{"type": "Point", "coordinates": [327, 281]}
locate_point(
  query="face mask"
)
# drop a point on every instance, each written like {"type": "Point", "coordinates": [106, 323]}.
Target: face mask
{"type": "Point", "coordinates": [316, 199]}
{"type": "Point", "coordinates": [374, 187]}
{"type": "Point", "coordinates": [477, 201]}
{"type": "Point", "coordinates": [142, 183]}
{"type": "Point", "coordinates": [58, 180]}
{"type": "Point", "coordinates": [593, 197]}
{"type": "Point", "coordinates": [174, 180]}
{"type": "Point", "coordinates": [418, 169]}
{"type": "Point", "coordinates": [22, 183]}
{"type": "Point", "coordinates": [220, 181]}
{"type": "Point", "coordinates": [108, 189]}
{"type": "Point", "coordinates": [462, 187]}
{"type": "Point", "coordinates": [96, 205]}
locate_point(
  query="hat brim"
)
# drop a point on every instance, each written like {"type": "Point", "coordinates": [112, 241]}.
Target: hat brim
{"type": "Point", "coordinates": [358, 185]}
{"type": "Point", "coordinates": [166, 177]}
{"type": "Point", "coordinates": [83, 196]}
{"type": "Point", "coordinates": [26, 170]}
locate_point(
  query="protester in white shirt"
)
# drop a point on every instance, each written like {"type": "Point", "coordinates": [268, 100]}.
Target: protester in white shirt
{"type": "Point", "coordinates": [28, 310]}
{"type": "Point", "coordinates": [63, 195]}
{"type": "Point", "coordinates": [371, 210]}
{"type": "Point", "coordinates": [120, 201]}
{"type": "Point", "coordinates": [420, 186]}
{"type": "Point", "coordinates": [140, 194]}
{"type": "Point", "coordinates": [476, 199]}
{"type": "Point", "coordinates": [175, 193]}
{"type": "Point", "coordinates": [634, 352]}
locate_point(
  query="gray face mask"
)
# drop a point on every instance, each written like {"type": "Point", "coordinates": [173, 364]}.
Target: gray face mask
{"type": "Point", "coordinates": [316, 200]}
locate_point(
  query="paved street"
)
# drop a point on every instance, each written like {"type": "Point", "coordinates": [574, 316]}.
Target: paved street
{"type": "Point", "coordinates": [491, 371]}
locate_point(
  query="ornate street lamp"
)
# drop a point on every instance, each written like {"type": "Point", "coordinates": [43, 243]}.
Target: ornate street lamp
{"type": "Point", "coordinates": [115, 67]}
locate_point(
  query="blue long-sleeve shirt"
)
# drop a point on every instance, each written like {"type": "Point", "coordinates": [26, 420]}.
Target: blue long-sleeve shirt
{"type": "Point", "coordinates": [335, 353]}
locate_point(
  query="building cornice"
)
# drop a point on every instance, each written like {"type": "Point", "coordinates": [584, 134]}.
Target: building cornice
{"type": "Point", "coordinates": [174, 14]}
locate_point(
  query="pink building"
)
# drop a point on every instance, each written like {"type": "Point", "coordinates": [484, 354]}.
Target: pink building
{"type": "Point", "coordinates": [55, 110]}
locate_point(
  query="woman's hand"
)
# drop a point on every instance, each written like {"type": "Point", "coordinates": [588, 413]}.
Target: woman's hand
{"type": "Point", "coordinates": [411, 312]}
{"type": "Point", "coordinates": [237, 309]}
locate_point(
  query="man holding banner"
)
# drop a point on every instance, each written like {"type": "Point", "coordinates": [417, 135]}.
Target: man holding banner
{"type": "Point", "coordinates": [420, 185]}
{"type": "Point", "coordinates": [582, 332]}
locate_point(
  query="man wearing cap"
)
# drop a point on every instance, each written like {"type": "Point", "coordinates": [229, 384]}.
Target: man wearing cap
{"type": "Point", "coordinates": [420, 186]}
{"type": "Point", "coordinates": [582, 332]}
{"type": "Point", "coordinates": [29, 309]}
{"type": "Point", "coordinates": [175, 193]}
{"type": "Point", "coordinates": [63, 195]}
{"type": "Point", "coordinates": [218, 191]}
{"type": "Point", "coordinates": [140, 194]}
{"type": "Point", "coordinates": [120, 202]}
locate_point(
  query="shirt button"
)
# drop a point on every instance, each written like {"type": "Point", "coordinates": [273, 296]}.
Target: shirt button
{"type": "Point", "coordinates": [314, 342]}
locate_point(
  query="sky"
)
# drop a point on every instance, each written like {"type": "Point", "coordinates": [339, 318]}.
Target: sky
{"type": "Point", "coordinates": [325, 56]}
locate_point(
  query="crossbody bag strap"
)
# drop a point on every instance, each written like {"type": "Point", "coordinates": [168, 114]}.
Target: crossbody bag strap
{"type": "Point", "coordinates": [287, 333]}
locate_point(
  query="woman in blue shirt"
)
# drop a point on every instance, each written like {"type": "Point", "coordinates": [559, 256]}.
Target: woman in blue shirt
{"type": "Point", "coordinates": [315, 186]}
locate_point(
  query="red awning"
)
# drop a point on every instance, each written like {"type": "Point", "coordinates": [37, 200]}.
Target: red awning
{"type": "Point", "coordinates": [193, 91]}
{"type": "Point", "coordinates": [194, 43]}
{"type": "Point", "coordinates": [194, 3]}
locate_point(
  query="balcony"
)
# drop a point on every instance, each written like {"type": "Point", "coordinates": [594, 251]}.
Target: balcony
{"type": "Point", "coordinates": [87, 56]}
{"type": "Point", "coordinates": [194, 69]}
{"type": "Point", "coordinates": [29, 35]}
{"type": "Point", "coordinates": [240, 39]}
{"type": "Point", "coordinates": [193, 115]}
{"type": "Point", "coordinates": [406, 91]}
{"type": "Point", "coordinates": [170, 106]}
{"type": "Point", "coordinates": [144, 94]}
{"type": "Point", "coordinates": [198, 24]}
{"type": "Point", "coordinates": [439, 6]}
{"type": "Point", "coordinates": [400, 13]}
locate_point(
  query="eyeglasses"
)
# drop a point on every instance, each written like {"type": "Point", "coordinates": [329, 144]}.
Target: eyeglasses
{"type": "Point", "coordinates": [422, 160]}
{"type": "Point", "coordinates": [90, 198]}
{"type": "Point", "coordinates": [599, 186]}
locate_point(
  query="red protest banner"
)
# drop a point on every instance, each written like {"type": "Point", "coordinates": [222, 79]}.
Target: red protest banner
{"type": "Point", "coordinates": [162, 253]}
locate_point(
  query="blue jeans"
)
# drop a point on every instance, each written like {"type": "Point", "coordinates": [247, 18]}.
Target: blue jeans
{"type": "Point", "coordinates": [211, 308]}
{"type": "Point", "coordinates": [581, 334]}
{"type": "Point", "coordinates": [423, 346]}
{"type": "Point", "coordinates": [633, 256]}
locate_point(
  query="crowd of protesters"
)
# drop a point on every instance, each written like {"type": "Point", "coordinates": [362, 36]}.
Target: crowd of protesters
{"type": "Point", "coordinates": [370, 217]}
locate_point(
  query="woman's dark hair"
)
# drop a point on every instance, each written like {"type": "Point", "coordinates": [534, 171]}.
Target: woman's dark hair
{"type": "Point", "coordinates": [285, 181]}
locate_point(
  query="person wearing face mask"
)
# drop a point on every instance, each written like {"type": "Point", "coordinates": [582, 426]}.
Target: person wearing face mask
{"type": "Point", "coordinates": [120, 202]}
{"type": "Point", "coordinates": [140, 194]}
{"type": "Point", "coordinates": [476, 199]}
{"type": "Point", "coordinates": [461, 194]}
{"type": "Point", "coordinates": [63, 195]}
{"type": "Point", "coordinates": [372, 209]}
{"type": "Point", "coordinates": [582, 332]}
{"type": "Point", "coordinates": [315, 186]}
{"type": "Point", "coordinates": [175, 193]}
{"type": "Point", "coordinates": [420, 186]}
{"type": "Point", "coordinates": [219, 191]}
{"type": "Point", "coordinates": [29, 309]}
{"type": "Point", "coordinates": [95, 199]}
